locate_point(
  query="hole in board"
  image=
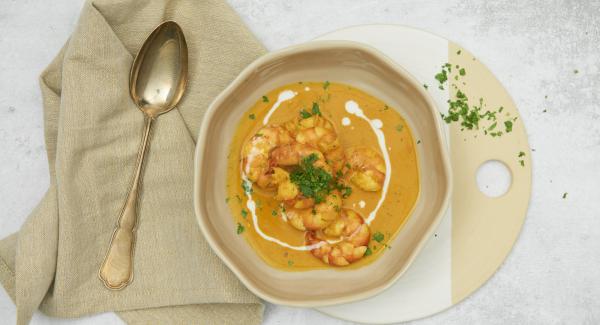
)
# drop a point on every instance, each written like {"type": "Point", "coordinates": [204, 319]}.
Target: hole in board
{"type": "Point", "coordinates": [493, 178]}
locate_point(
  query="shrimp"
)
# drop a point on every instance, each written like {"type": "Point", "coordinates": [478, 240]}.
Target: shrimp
{"type": "Point", "coordinates": [354, 234]}
{"type": "Point", "coordinates": [300, 202]}
{"type": "Point", "coordinates": [318, 132]}
{"type": "Point", "coordinates": [256, 154]}
{"type": "Point", "coordinates": [318, 217]}
{"type": "Point", "coordinates": [292, 154]}
{"type": "Point", "coordinates": [367, 168]}
{"type": "Point", "coordinates": [286, 190]}
{"type": "Point", "coordinates": [335, 158]}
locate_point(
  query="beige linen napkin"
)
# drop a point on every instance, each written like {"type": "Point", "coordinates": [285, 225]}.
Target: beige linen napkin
{"type": "Point", "coordinates": [93, 131]}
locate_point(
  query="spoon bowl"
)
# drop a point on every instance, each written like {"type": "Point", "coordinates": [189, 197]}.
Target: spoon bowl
{"type": "Point", "coordinates": [159, 72]}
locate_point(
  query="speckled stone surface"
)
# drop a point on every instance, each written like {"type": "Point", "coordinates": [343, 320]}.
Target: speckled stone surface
{"type": "Point", "coordinates": [546, 54]}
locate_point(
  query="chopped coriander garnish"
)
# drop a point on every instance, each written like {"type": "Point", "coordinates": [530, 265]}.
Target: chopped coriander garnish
{"type": "Point", "coordinates": [458, 52]}
{"type": "Point", "coordinates": [544, 111]}
{"type": "Point", "coordinates": [240, 229]}
{"type": "Point", "coordinates": [247, 186]}
{"type": "Point", "coordinates": [316, 110]}
{"type": "Point", "coordinates": [252, 116]}
{"type": "Point", "coordinates": [313, 182]}
{"type": "Point", "coordinates": [305, 114]}
{"type": "Point", "coordinates": [425, 86]}
{"type": "Point", "coordinates": [565, 195]}
{"type": "Point", "coordinates": [442, 77]}
{"type": "Point", "coordinates": [378, 237]}
{"type": "Point", "coordinates": [244, 213]}
{"type": "Point", "coordinates": [274, 213]}
{"type": "Point", "coordinates": [326, 85]}
{"type": "Point", "coordinates": [385, 108]}
{"type": "Point", "coordinates": [448, 66]}
{"type": "Point", "coordinates": [467, 115]}
{"type": "Point", "coordinates": [399, 127]}
{"type": "Point", "coordinates": [418, 141]}
{"type": "Point", "coordinates": [346, 191]}
{"type": "Point", "coordinates": [368, 251]}
{"type": "Point", "coordinates": [508, 125]}
{"type": "Point", "coordinates": [496, 134]}
{"type": "Point", "coordinates": [265, 99]}
{"type": "Point", "coordinates": [290, 263]}
{"type": "Point", "coordinates": [521, 161]}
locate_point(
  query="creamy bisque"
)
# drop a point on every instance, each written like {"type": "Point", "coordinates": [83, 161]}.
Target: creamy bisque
{"type": "Point", "coordinates": [360, 120]}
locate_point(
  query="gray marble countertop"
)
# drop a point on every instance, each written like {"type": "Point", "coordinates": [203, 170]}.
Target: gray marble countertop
{"type": "Point", "coordinates": [536, 48]}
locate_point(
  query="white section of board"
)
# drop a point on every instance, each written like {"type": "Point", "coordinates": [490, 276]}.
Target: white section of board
{"type": "Point", "coordinates": [425, 288]}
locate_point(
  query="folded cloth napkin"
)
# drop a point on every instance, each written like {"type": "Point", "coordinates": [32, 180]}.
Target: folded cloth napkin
{"type": "Point", "coordinates": [93, 131]}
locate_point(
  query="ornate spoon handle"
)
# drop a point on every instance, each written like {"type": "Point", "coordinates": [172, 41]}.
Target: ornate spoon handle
{"type": "Point", "coordinates": [116, 271]}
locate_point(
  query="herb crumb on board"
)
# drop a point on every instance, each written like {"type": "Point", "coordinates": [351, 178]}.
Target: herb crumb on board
{"type": "Point", "coordinates": [469, 116]}
{"type": "Point", "coordinates": [521, 161]}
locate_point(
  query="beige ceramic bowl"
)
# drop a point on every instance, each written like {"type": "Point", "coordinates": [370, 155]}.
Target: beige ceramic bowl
{"type": "Point", "coordinates": [337, 61]}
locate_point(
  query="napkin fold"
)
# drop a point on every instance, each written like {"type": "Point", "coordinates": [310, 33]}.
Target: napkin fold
{"type": "Point", "coordinates": [92, 131]}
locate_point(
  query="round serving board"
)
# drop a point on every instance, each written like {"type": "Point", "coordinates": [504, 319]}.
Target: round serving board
{"type": "Point", "coordinates": [478, 231]}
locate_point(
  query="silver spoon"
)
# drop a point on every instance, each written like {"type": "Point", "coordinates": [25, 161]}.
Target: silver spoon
{"type": "Point", "coordinates": [156, 82]}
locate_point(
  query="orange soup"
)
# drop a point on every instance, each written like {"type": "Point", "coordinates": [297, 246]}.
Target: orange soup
{"type": "Point", "coordinates": [321, 175]}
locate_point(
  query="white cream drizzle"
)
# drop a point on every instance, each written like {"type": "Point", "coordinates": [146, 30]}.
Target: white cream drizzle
{"type": "Point", "coordinates": [251, 205]}
{"type": "Point", "coordinates": [346, 121]}
{"type": "Point", "coordinates": [283, 96]}
{"type": "Point", "coordinates": [362, 204]}
{"type": "Point", "coordinates": [376, 124]}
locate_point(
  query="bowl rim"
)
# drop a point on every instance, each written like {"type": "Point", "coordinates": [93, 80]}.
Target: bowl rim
{"type": "Point", "coordinates": [201, 146]}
